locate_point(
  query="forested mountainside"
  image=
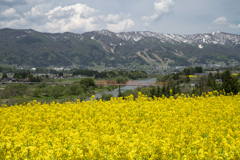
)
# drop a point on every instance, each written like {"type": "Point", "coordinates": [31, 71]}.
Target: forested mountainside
{"type": "Point", "coordinates": [32, 48]}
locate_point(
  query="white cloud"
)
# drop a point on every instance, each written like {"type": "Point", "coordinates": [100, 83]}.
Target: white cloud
{"type": "Point", "coordinates": [81, 10]}
{"type": "Point", "coordinates": [16, 22]}
{"type": "Point", "coordinates": [79, 17]}
{"type": "Point", "coordinates": [70, 18]}
{"type": "Point", "coordinates": [9, 13]}
{"type": "Point", "coordinates": [74, 18]}
{"type": "Point", "coordinates": [221, 20]}
{"type": "Point", "coordinates": [35, 12]}
{"type": "Point", "coordinates": [121, 25]}
{"type": "Point", "coordinates": [233, 26]}
{"type": "Point", "coordinates": [224, 21]}
{"type": "Point", "coordinates": [111, 18]}
{"type": "Point", "coordinates": [117, 22]}
{"type": "Point", "coordinates": [161, 7]}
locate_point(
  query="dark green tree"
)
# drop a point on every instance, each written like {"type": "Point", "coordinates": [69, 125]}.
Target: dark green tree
{"type": "Point", "coordinates": [199, 69]}
{"type": "Point", "coordinates": [187, 79]}
{"type": "Point", "coordinates": [187, 71]}
{"type": "Point", "coordinates": [56, 91]}
{"type": "Point", "coordinates": [42, 85]}
{"type": "Point", "coordinates": [176, 76]}
{"type": "Point", "coordinates": [120, 93]}
{"type": "Point", "coordinates": [167, 91]}
{"type": "Point", "coordinates": [164, 90]}
{"type": "Point", "coordinates": [230, 83]}
{"type": "Point", "coordinates": [60, 74]}
{"type": "Point", "coordinates": [211, 81]}
{"type": "Point", "coordinates": [87, 82]}
{"type": "Point", "coordinates": [201, 83]}
{"type": "Point", "coordinates": [152, 92]}
{"type": "Point", "coordinates": [36, 93]}
{"type": "Point", "coordinates": [4, 76]}
{"type": "Point", "coordinates": [217, 76]}
{"type": "Point", "coordinates": [178, 90]}
{"type": "Point", "coordinates": [32, 78]}
{"type": "Point", "coordinates": [106, 97]}
{"type": "Point", "coordinates": [158, 92]}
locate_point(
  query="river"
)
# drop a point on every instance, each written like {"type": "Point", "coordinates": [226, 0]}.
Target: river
{"type": "Point", "coordinates": [122, 88]}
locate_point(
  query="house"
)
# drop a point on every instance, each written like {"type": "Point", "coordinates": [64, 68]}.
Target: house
{"type": "Point", "coordinates": [26, 80]}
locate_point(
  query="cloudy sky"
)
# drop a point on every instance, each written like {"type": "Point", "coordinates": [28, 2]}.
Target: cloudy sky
{"type": "Point", "coordinates": [165, 16]}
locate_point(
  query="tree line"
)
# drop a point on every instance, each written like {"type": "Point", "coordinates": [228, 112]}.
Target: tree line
{"type": "Point", "coordinates": [111, 74]}
{"type": "Point", "coordinates": [205, 82]}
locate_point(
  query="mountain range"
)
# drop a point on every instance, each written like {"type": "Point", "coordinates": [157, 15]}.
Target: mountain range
{"type": "Point", "coordinates": [109, 49]}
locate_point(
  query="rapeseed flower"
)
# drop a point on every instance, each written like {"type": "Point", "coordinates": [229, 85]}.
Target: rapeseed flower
{"type": "Point", "coordinates": [180, 127]}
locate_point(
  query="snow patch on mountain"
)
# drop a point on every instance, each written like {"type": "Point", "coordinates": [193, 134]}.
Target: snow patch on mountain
{"type": "Point", "coordinates": [209, 38]}
{"type": "Point", "coordinates": [200, 46]}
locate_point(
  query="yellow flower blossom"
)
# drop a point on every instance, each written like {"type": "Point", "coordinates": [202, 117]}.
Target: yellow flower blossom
{"type": "Point", "coordinates": [180, 127]}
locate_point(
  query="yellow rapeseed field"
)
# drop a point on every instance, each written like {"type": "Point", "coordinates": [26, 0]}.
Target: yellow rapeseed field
{"type": "Point", "coordinates": [161, 128]}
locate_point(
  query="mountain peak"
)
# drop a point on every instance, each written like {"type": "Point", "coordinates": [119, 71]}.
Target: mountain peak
{"type": "Point", "coordinates": [106, 32]}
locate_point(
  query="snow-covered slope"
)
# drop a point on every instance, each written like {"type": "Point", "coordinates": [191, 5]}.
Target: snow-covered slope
{"type": "Point", "coordinates": [209, 38]}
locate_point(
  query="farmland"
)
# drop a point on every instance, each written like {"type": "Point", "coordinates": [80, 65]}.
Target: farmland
{"type": "Point", "coordinates": [179, 127]}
